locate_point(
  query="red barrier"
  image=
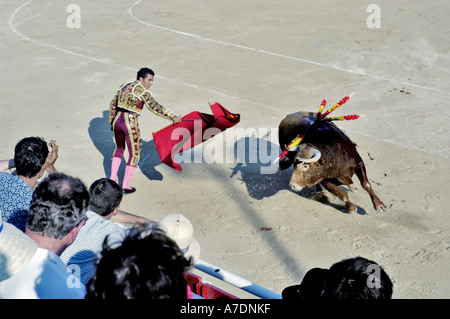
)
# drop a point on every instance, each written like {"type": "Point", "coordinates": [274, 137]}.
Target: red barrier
{"type": "Point", "coordinates": [206, 290]}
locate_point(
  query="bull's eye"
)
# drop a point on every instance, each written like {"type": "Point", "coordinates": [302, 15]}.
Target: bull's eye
{"type": "Point", "coordinates": [298, 163]}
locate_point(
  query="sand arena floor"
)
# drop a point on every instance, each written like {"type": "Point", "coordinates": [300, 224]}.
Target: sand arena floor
{"type": "Point", "coordinates": [262, 59]}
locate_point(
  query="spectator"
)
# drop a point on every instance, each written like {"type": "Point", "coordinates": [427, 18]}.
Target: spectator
{"type": "Point", "coordinates": [57, 212]}
{"type": "Point", "coordinates": [353, 278]}
{"type": "Point", "coordinates": [148, 267]}
{"type": "Point", "coordinates": [179, 229]}
{"type": "Point", "coordinates": [16, 251]}
{"type": "Point", "coordinates": [106, 196]}
{"type": "Point", "coordinates": [31, 160]}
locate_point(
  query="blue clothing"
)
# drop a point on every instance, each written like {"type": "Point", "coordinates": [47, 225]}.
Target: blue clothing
{"type": "Point", "coordinates": [85, 251]}
{"type": "Point", "coordinates": [15, 199]}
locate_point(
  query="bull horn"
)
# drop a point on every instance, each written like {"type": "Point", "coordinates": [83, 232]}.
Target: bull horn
{"type": "Point", "coordinates": [316, 156]}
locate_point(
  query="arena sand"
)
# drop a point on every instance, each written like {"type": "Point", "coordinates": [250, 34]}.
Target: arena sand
{"type": "Point", "coordinates": [262, 59]}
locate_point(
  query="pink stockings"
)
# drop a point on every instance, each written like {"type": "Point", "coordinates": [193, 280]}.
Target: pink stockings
{"type": "Point", "coordinates": [126, 179]}
{"type": "Point", "coordinates": [115, 168]}
{"type": "Point", "coordinates": [122, 136]}
{"type": "Point", "coordinates": [128, 172]}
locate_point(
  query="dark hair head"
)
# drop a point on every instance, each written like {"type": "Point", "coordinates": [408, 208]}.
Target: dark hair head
{"type": "Point", "coordinates": [30, 155]}
{"type": "Point", "coordinates": [143, 72]}
{"type": "Point", "coordinates": [357, 278]}
{"type": "Point", "coordinates": [150, 267]}
{"type": "Point", "coordinates": [58, 205]}
{"type": "Point", "coordinates": [106, 195]}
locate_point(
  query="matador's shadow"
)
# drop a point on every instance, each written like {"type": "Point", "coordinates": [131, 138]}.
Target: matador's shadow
{"type": "Point", "coordinates": [103, 138]}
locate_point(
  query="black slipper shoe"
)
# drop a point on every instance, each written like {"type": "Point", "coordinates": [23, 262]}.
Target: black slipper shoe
{"type": "Point", "coordinates": [128, 191]}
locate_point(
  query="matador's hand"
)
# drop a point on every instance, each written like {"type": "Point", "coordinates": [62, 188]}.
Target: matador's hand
{"type": "Point", "coordinates": [176, 119]}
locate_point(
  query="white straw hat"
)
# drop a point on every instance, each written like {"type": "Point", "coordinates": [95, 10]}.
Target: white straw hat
{"type": "Point", "coordinates": [179, 229]}
{"type": "Point", "coordinates": [16, 250]}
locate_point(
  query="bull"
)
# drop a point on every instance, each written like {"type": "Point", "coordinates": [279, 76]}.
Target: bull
{"type": "Point", "coordinates": [326, 156]}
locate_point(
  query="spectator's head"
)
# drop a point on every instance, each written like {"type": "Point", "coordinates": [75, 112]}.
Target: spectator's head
{"type": "Point", "coordinates": [180, 229]}
{"type": "Point", "coordinates": [29, 156]}
{"type": "Point", "coordinates": [353, 278]}
{"type": "Point", "coordinates": [58, 207]}
{"type": "Point", "coordinates": [106, 196]}
{"type": "Point", "coordinates": [357, 278]}
{"type": "Point", "coordinates": [149, 267]}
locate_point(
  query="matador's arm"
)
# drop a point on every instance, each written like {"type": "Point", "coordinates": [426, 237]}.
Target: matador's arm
{"type": "Point", "coordinates": [155, 107]}
{"type": "Point", "coordinates": [113, 108]}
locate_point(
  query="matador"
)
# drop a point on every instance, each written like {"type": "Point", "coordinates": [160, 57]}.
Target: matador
{"type": "Point", "coordinates": [124, 111]}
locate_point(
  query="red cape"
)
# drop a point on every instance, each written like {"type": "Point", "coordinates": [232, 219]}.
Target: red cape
{"type": "Point", "coordinates": [179, 137]}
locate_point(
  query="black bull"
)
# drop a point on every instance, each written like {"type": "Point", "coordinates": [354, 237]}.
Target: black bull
{"type": "Point", "coordinates": [326, 156]}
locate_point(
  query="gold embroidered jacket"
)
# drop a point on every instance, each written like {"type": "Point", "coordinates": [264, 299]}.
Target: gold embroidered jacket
{"type": "Point", "coordinates": [132, 96]}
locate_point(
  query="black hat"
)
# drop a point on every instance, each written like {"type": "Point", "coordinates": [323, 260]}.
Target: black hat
{"type": "Point", "coordinates": [311, 286]}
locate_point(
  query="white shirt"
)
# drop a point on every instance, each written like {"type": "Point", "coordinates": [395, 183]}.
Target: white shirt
{"type": "Point", "coordinates": [84, 253]}
{"type": "Point", "coordinates": [44, 277]}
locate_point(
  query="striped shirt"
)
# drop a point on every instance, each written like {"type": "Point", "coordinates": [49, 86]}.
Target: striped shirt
{"type": "Point", "coordinates": [85, 251]}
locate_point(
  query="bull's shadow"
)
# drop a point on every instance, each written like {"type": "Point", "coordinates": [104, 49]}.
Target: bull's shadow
{"type": "Point", "coordinates": [103, 138]}
{"type": "Point", "coordinates": [263, 180]}
{"type": "Point", "coordinates": [259, 171]}
{"type": "Point", "coordinates": [253, 162]}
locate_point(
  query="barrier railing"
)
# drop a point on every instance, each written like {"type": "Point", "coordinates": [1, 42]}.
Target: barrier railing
{"type": "Point", "coordinates": [231, 279]}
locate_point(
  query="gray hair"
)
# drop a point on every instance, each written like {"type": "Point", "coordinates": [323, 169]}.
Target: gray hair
{"type": "Point", "coordinates": [58, 205]}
